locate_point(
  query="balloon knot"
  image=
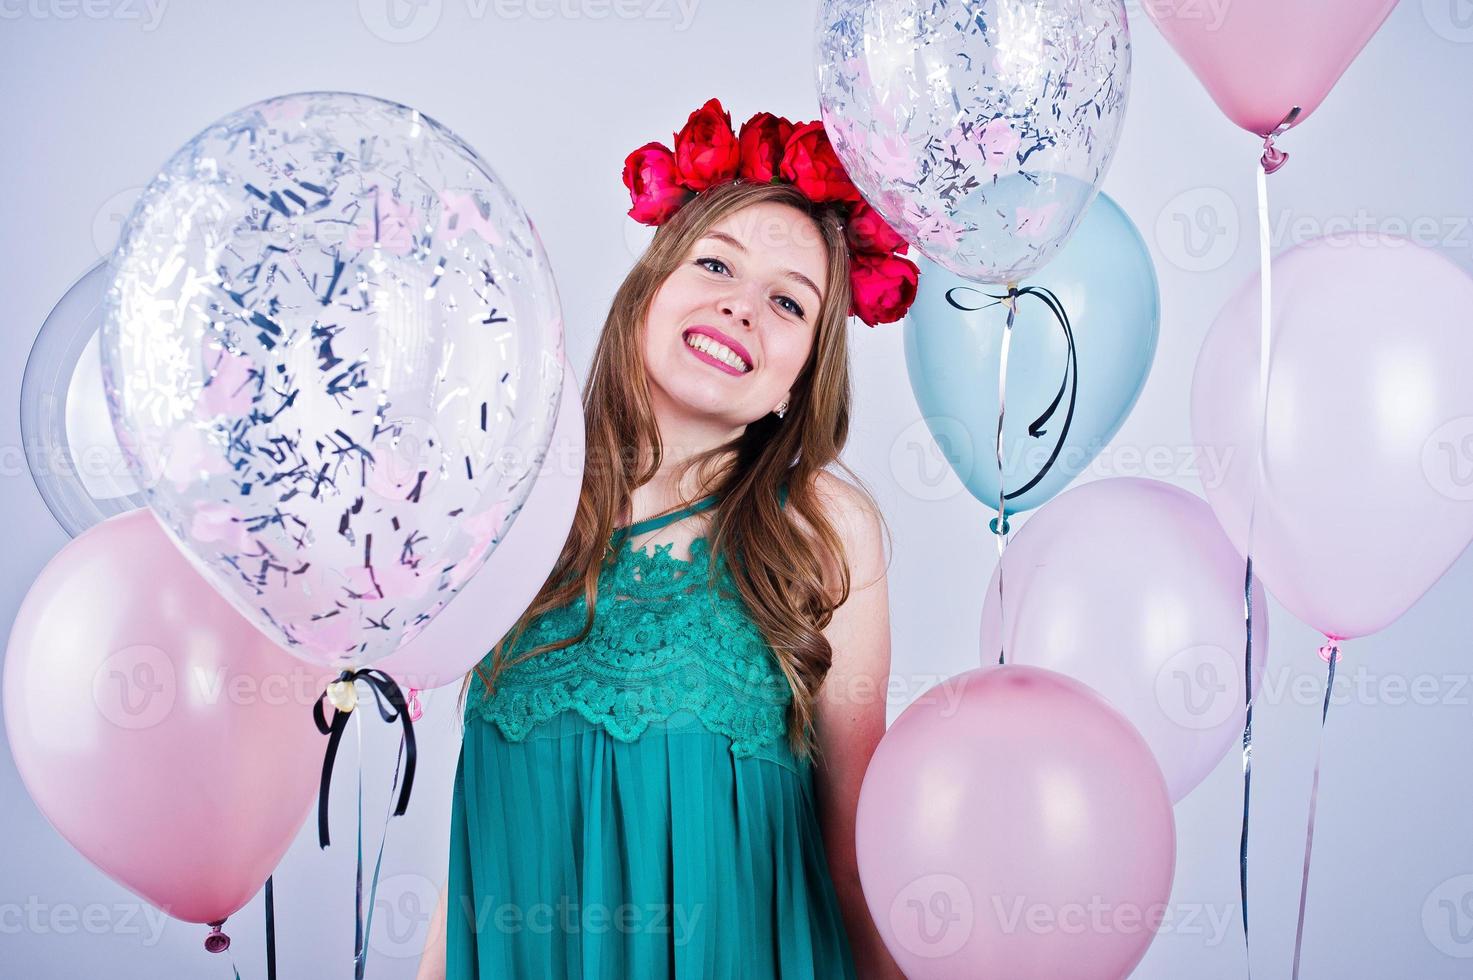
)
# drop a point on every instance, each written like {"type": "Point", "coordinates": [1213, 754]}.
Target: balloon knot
{"type": "Point", "coordinates": [343, 695]}
{"type": "Point", "coordinates": [1331, 649]}
{"type": "Point", "coordinates": [217, 941]}
{"type": "Point", "coordinates": [1273, 158]}
{"type": "Point", "coordinates": [992, 525]}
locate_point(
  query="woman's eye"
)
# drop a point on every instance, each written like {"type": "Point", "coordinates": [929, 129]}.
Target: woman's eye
{"type": "Point", "coordinates": [719, 268]}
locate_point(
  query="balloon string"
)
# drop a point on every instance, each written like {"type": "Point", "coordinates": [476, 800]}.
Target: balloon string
{"type": "Point", "coordinates": [1265, 335]}
{"type": "Point", "coordinates": [1068, 384]}
{"type": "Point", "coordinates": [391, 708]}
{"type": "Point", "coordinates": [378, 864]}
{"type": "Point", "coordinates": [999, 524]}
{"type": "Point", "coordinates": [270, 929]}
{"type": "Point", "coordinates": [358, 872]}
{"type": "Point", "coordinates": [1247, 755]}
{"type": "Point", "coordinates": [1331, 652]}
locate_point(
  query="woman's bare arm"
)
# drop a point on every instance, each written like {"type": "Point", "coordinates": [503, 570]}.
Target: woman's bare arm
{"type": "Point", "coordinates": [432, 960]}
{"type": "Point", "coordinates": [851, 714]}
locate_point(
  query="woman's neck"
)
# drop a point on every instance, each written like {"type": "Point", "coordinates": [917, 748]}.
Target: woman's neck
{"type": "Point", "coordinates": [682, 437]}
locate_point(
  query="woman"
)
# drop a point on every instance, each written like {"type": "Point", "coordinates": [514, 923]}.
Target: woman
{"type": "Point", "coordinates": [662, 760]}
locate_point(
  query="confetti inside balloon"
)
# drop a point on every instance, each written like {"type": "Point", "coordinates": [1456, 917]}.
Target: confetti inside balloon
{"type": "Point", "coordinates": [333, 355]}
{"type": "Point", "coordinates": [979, 129]}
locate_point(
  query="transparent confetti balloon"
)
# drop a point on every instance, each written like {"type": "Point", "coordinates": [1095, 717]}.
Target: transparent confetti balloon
{"type": "Point", "coordinates": [979, 129]}
{"type": "Point", "coordinates": [333, 354]}
{"type": "Point", "coordinates": [71, 450]}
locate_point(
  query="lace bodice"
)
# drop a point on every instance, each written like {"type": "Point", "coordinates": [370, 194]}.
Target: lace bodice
{"type": "Point", "coordinates": [667, 637]}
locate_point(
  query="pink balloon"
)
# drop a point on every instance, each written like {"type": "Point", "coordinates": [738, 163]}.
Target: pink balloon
{"type": "Point", "coordinates": [1260, 58]}
{"type": "Point", "coordinates": [1366, 497]}
{"type": "Point", "coordinates": [1012, 825]}
{"type": "Point", "coordinates": [1130, 586]}
{"type": "Point", "coordinates": [162, 734]}
{"type": "Point", "coordinates": [488, 605]}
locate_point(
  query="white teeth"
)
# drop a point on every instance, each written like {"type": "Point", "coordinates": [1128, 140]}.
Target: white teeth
{"type": "Point", "coordinates": [718, 350]}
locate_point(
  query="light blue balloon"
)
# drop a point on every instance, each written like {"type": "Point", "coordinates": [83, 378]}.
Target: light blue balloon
{"type": "Point", "coordinates": [1065, 400]}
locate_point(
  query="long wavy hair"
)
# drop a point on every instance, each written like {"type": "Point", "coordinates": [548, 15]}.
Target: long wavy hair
{"type": "Point", "coordinates": [781, 553]}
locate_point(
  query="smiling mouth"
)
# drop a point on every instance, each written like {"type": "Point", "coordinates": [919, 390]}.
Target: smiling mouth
{"type": "Point", "coordinates": [715, 353]}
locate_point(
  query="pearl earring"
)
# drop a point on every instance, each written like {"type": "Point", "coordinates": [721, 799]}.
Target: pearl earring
{"type": "Point", "coordinates": [782, 409]}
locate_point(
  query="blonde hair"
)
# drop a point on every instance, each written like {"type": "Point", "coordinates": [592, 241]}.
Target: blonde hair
{"type": "Point", "coordinates": [780, 552]}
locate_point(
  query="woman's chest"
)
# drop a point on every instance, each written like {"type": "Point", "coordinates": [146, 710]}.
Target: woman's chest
{"type": "Point", "coordinates": [647, 636]}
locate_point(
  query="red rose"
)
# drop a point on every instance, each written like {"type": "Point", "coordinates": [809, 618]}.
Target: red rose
{"type": "Point", "coordinates": [706, 150]}
{"type": "Point", "coordinates": [883, 287]}
{"type": "Point", "coordinates": [654, 185]}
{"type": "Point", "coordinates": [810, 162]}
{"type": "Point", "coordinates": [764, 138]}
{"type": "Point", "coordinates": [866, 231]}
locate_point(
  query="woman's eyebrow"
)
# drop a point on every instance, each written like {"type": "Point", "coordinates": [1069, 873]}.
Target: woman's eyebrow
{"type": "Point", "coordinates": [792, 274]}
{"type": "Point", "coordinates": [722, 236]}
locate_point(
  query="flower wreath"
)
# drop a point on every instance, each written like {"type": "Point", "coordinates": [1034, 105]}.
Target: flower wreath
{"type": "Point", "coordinates": [772, 149]}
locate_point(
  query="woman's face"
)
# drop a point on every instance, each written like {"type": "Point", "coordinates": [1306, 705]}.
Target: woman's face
{"type": "Point", "coordinates": [729, 330]}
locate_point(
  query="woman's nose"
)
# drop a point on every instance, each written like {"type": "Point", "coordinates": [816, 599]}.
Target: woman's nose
{"type": "Point", "coordinates": [744, 318]}
{"type": "Point", "coordinates": [740, 306]}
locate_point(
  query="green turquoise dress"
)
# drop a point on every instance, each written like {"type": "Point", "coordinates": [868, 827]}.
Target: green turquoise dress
{"type": "Point", "coordinates": [628, 807]}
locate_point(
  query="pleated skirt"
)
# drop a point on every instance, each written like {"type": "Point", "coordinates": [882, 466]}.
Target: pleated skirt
{"type": "Point", "coordinates": [575, 854]}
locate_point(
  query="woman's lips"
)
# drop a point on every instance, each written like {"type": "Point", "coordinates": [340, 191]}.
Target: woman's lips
{"type": "Point", "coordinates": [715, 363]}
{"type": "Point", "coordinates": [724, 339]}
{"type": "Point", "coordinates": [730, 343]}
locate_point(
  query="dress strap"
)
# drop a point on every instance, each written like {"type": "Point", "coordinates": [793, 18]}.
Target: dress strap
{"type": "Point", "coordinates": [655, 523]}
{"type": "Point", "coordinates": [706, 503]}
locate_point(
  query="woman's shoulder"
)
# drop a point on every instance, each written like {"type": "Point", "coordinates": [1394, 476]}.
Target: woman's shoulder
{"type": "Point", "coordinates": [844, 501]}
{"type": "Point", "coordinates": [855, 517]}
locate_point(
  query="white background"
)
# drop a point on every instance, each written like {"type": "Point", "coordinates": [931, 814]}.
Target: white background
{"type": "Point", "coordinates": [554, 93]}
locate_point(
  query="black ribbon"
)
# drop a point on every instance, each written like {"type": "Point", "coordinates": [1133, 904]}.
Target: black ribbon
{"type": "Point", "coordinates": [391, 708]}
{"type": "Point", "coordinates": [270, 930]}
{"type": "Point", "coordinates": [1069, 383]}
